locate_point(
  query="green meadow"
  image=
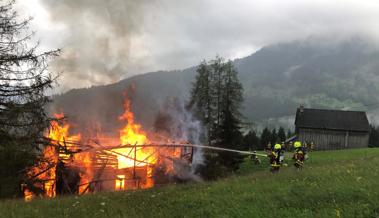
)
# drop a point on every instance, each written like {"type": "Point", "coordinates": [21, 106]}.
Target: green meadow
{"type": "Point", "coordinates": [332, 184]}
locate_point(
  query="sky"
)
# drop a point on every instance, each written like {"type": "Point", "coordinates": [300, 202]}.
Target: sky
{"type": "Point", "coordinates": [103, 42]}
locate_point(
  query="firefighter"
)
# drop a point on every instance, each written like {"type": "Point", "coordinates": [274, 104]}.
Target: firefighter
{"type": "Point", "coordinates": [299, 155]}
{"type": "Point", "coordinates": [275, 158]}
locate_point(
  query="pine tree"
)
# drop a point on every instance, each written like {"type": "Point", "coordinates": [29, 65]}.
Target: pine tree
{"type": "Point", "coordinates": [24, 79]}
{"type": "Point", "coordinates": [251, 141]}
{"type": "Point", "coordinates": [201, 100]}
{"type": "Point", "coordinates": [265, 137]}
{"type": "Point", "coordinates": [281, 134]}
{"type": "Point", "coordinates": [216, 99]}
{"type": "Point", "coordinates": [230, 117]}
{"type": "Point", "coordinates": [274, 137]}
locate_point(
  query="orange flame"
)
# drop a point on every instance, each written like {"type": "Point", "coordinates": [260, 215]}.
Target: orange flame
{"type": "Point", "coordinates": [132, 134]}
{"type": "Point", "coordinates": [133, 169]}
{"type": "Point", "coordinates": [59, 135]}
{"type": "Point", "coordinates": [46, 170]}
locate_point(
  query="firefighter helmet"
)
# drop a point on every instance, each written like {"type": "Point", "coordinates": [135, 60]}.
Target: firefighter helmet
{"type": "Point", "coordinates": [277, 147]}
{"type": "Point", "coordinates": [297, 144]}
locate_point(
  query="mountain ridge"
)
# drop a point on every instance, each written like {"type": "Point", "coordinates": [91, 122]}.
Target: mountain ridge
{"type": "Point", "coordinates": [276, 79]}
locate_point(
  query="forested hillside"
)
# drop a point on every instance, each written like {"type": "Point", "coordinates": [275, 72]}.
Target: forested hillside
{"type": "Point", "coordinates": [276, 79]}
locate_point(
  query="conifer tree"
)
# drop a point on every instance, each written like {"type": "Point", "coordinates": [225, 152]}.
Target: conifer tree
{"type": "Point", "coordinates": [281, 134]}
{"type": "Point", "coordinates": [24, 81]}
{"type": "Point", "coordinates": [265, 137]}
{"type": "Point", "coordinates": [216, 99]}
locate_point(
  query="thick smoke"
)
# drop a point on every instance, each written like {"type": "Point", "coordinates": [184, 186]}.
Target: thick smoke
{"type": "Point", "coordinates": [96, 38]}
{"type": "Point", "coordinates": [178, 123]}
{"type": "Point", "coordinates": [103, 40]}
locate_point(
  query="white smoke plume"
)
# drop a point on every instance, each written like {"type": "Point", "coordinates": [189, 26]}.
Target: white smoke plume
{"type": "Point", "coordinates": [180, 125]}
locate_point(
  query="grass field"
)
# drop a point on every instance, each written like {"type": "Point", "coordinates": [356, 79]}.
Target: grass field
{"type": "Point", "coordinates": [332, 184]}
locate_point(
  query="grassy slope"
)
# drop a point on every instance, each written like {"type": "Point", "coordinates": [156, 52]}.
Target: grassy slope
{"type": "Point", "coordinates": [332, 184]}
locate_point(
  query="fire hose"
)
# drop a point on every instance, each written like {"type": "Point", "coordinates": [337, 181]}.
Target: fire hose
{"type": "Point", "coordinates": [170, 145]}
{"type": "Point", "coordinates": [226, 149]}
{"type": "Point", "coordinates": [189, 145]}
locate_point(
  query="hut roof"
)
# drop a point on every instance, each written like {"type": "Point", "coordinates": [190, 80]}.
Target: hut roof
{"type": "Point", "coordinates": [332, 119]}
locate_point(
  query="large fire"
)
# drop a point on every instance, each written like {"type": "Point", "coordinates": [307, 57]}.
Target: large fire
{"type": "Point", "coordinates": [68, 168]}
{"type": "Point", "coordinates": [132, 134]}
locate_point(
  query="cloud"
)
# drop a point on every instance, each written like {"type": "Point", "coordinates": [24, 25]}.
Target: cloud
{"type": "Point", "coordinates": [105, 41]}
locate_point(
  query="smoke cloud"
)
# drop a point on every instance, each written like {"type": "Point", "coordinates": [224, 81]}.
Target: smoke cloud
{"type": "Point", "coordinates": [104, 41]}
{"type": "Point", "coordinates": [97, 37]}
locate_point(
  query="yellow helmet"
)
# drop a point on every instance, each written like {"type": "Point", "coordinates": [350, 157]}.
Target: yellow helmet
{"type": "Point", "coordinates": [277, 147]}
{"type": "Point", "coordinates": [297, 144]}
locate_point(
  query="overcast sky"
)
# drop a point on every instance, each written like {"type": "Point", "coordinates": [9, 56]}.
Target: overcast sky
{"type": "Point", "coordinates": [104, 41]}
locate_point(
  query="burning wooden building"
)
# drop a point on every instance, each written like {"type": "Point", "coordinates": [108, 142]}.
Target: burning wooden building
{"type": "Point", "coordinates": [134, 160]}
{"type": "Point", "coordinates": [332, 129]}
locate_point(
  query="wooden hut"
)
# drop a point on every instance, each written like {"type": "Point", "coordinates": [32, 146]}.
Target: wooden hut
{"type": "Point", "coordinates": [332, 129]}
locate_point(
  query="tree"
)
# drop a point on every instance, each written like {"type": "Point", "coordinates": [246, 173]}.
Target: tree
{"type": "Point", "coordinates": [229, 116]}
{"type": "Point", "coordinates": [216, 98]}
{"type": "Point", "coordinates": [274, 137]}
{"type": "Point", "coordinates": [281, 134]}
{"type": "Point", "coordinates": [201, 101]}
{"type": "Point", "coordinates": [265, 137]}
{"type": "Point", "coordinates": [24, 80]}
{"type": "Point", "coordinates": [251, 141]}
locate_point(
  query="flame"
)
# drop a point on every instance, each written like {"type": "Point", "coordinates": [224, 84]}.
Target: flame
{"type": "Point", "coordinates": [132, 134]}
{"type": "Point", "coordinates": [84, 160]}
{"type": "Point", "coordinates": [28, 195]}
{"type": "Point", "coordinates": [60, 134]}
{"type": "Point", "coordinates": [45, 171]}
{"type": "Point", "coordinates": [130, 167]}
{"type": "Point", "coordinates": [120, 182]}
{"type": "Point", "coordinates": [44, 174]}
